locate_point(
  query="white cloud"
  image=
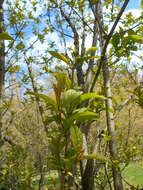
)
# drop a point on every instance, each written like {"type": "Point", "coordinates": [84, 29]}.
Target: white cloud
{"type": "Point", "coordinates": [135, 12]}
{"type": "Point", "coordinates": [40, 48]}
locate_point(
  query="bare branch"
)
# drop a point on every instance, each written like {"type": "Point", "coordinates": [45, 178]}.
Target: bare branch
{"type": "Point", "coordinates": [107, 42]}
{"type": "Point", "coordinates": [122, 105]}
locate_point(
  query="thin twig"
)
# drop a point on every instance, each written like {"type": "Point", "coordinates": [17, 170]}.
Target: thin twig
{"type": "Point", "coordinates": [107, 42]}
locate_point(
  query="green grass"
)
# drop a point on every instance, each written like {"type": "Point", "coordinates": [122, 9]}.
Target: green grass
{"type": "Point", "coordinates": [51, 181]}
{"type": "Point", "coordinates": [133, 173]}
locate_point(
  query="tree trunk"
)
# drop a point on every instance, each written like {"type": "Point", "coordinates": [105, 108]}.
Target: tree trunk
{"type": "Point", "coordinates": [108, 104]}
{"type": "Point", "coordinates": [35, 90]}
{"type": "Point", "coordinates": [88, 176]}
{"type": "Point", "coordinates": [41, 181]}
{"type": "Point", "coordinates": [2, 62]}
{"type": "Point", "coordinates": [111, 127]}
{"type": "Point", "coordinates": [87, 167]}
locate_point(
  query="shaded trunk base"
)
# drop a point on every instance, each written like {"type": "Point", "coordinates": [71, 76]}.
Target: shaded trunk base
{"type": "Point", "coordinates": [88, 176]}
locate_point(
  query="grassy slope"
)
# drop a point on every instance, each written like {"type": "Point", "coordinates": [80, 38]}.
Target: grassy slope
{"type": "Point", "coordinates": [134, 173]}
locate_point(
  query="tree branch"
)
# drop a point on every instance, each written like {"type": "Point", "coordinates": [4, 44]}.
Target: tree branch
{"type": "Point", "coordinates": [121, 106]}
{"type": "Point", "coordinates": [107, 42]}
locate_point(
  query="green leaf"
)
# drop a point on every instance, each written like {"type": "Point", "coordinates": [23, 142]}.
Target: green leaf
{"type": "Point", "coordinates": [20, 46]}
{"type": "Point", "coordinates": [13, 69]}
{"type": "Point", "coordinates": [63, 82]}
{"type": "Point", "coordinates": [91, 95]}
{"type": "Point", "coordinates": [93, 2]}
{"type": "Point", "coordinates": [107, 137]}
{"type": "Point", "coordinates": [92, 49]}
{"type": "Point", "coordinates": [80, 4]}
{"type": "Point", "coordinates": [5, 36]}
{"type": "Point", "coordinates": [111, 110]}
{"type": "Point", "coordinates": [49, 101]}
{"type": "Point", "coordinates": [136, 38]}
{"type": "Point", "coordinates": [82, 116]}
{"type": "Point", "coordinates": [68, 163]}
{"type": "Point", "coordinates": [50, 119]}
{"type": "Point", "coordinates": [86, 58]}
{"type": "Point", "coordinates": [131, 32]}
{"type": "Point", "coordinates": [68, 97]}
{"type": "Point", "coordinates": [91, 57]}
{"type": "Point", "coordinates": [141, 4]}
{"type": "Point", "coordinates": [77, 139]}
{"type": "Point", "coordinates": [48, 70]}
{"type": "Point", "coordinates": [97, 157]}
{"type": "Point", "coordinates": [70, 152]}
{"type": "Point", "coordinates": [56, 147]}
{"type": "Point", "coordinates": [116, 39]}
{"type": "Point", "coordinates": [60, 56]}
{"type": "Point", "coordinates": [121, 31]}
{"type": "Point", "coordinates": [87, 96]}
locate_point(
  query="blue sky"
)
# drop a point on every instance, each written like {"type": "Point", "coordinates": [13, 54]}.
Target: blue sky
{"type": "Point", "coordinates": [134, 4]}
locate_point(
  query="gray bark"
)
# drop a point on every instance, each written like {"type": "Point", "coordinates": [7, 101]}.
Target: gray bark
{"type": "Point", "coordinates": [35, 89]}
{"type": "Point", "coordinates": [108, 103]}
{"type": "Point", "coordinates": [2, 62]}
{"type": "Point", "coordinates": [111, 127]}
{"type": "Point", "coordinates": [41, 181]}
{"type": "Point", "coordinates": [78, 64]}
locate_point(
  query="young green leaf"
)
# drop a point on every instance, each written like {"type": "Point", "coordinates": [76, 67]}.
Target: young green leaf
{"type": "Point", "coordinates": [136, 38]}
{"type": "Point", "coordinates": [5, 36]}
{"type": "Point", "coordinates": [68, 97]}
{"type": "Point", "coordinates": [111, 110]}
{"type": "Point", "coordinates": [121, 31]}
{"type": "Point", "coordinates": [91, 57]}
{"type": "Point", "coordinates": [141, 4]}
{"type": "Point", "coordinates": [62, 82]}
{"type": "Point", "coordinates": [116, 39]}
{"type": "Point", "coordinates": [80, 4]}
{"type": "Point", "coordinates": [49, 101]}
{"type": "Point", "coordinates": [76, 137]}
{"type": "Point", "coordinates": [86, 96]}
{"type": "Point", "coordinates": [48, 70]}
{"type": "Point", "coordinates": [60, 56]}
{"type": "Point", "coordinates": [92, 49]}
{"type": "Point", "coordinates": [13, 69]}
{"type": "Point", "coordinates": [91, 95]}
{"type": "Point", "coordinates": [50, 119]}
{"type": "Point", "coordinates": [93, 2]}
{"type": "Point", "coordinates": [97, 157]}
{"type": "Point", "coordinates": [82, 116]}
{"type": "Point", "coordinates": [20, 46]}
